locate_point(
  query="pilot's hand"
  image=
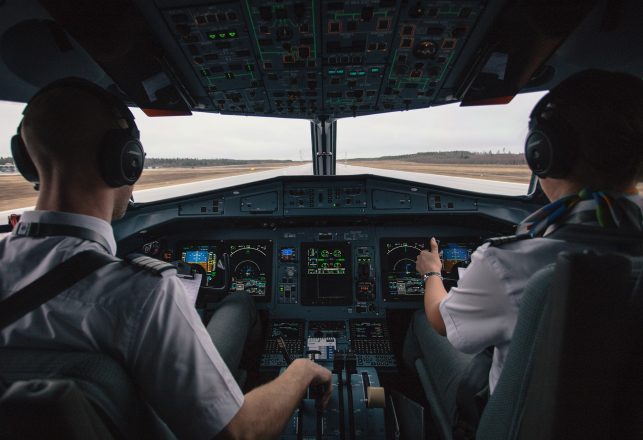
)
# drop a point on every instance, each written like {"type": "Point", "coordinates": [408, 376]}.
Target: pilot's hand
{"type": "Point", "coordinates": [323, 380]}
{"type": "Point", "coordinates": [429, 261]}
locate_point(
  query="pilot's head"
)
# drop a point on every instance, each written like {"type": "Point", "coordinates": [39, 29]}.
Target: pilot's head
{"type": "Point", "coordinates": [588, 132]}
{"type": "Point", "coordinates": [82, 139]}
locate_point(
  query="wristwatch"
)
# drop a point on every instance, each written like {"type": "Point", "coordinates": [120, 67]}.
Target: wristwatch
{"type": "Point", "coordinates": [428, 275]}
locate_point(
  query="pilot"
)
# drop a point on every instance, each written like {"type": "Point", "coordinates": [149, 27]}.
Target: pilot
{"type": "Point", "coordinates": [84, 146]}
{"type": "Point", "coordinates": [586, 145]}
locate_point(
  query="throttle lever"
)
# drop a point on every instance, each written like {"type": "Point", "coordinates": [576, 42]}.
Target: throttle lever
{"type": "Point", "coordinates": [281, 345]}
{"type": "Point", "coordinates": [315, 391]}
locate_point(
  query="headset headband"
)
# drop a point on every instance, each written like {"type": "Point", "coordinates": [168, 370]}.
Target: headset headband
{"type": "Point", "coordinates": [121, 111]}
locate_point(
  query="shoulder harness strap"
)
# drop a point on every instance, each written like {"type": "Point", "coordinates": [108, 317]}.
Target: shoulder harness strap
{"type": "Point", "coordinates": [57, 280]}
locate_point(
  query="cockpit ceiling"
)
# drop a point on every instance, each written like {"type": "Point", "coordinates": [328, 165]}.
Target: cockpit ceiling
{"type": "Point", "coordinates": [338, 58]}
{"type": "Point", "coordinates": [312, 59]}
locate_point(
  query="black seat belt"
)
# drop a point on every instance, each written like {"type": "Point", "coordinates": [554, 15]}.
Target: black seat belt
{"type": "Point", "coordinates": [51, 284]}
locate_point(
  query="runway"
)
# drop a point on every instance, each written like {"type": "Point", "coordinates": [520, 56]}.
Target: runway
{"type": "Point", "coordinates": [464, 183]}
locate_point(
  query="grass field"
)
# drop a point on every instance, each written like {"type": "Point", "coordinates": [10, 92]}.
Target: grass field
{"type": "Point", "coordinates": [502, 173]}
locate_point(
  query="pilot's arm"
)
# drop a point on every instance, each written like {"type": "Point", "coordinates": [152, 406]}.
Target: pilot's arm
{"type": "Point", "coordinates": [267, 409]}
{"type": "Point", "coordinates": [176, 366]}
{"type": "Point", "coordinates": [479, 312]}
{"type": "Point", "coordinates": [434, 291]}
{"type": "Point", "coordinates": [482, 310]}
{"type": "Point", "coordinates": [181, 374]}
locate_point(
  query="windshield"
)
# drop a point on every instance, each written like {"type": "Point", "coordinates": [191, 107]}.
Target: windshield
{"type": "Point", "coordinates": [472, 148]}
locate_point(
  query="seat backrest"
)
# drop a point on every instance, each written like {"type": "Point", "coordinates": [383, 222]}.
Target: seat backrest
{"type": "Point", "coordinates": [102, 380]}
{"type": "Point", "coordinates": [573, 367]}
{"type": "Point", "coordinates": [51, 408]}
{"type": "Point", "coordinates": [499, 416]}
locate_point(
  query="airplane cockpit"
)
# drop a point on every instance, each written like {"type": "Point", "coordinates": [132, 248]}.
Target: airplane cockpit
{"type": "Point", "coordinates": [328, 258]}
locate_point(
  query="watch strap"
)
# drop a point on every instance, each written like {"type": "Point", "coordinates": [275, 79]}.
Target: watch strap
{"type": "Point", "coordinates": [428, 275]}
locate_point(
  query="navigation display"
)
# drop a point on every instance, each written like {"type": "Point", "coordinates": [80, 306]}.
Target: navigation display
{"type": "Point", "coordinates": [326, 273]}
{"type": "Point", "coordinates": [251, 263]}
{"type": "Point", "coordinates": [400, 280]}
{"type": "Point", "coordinates": [204, 258]}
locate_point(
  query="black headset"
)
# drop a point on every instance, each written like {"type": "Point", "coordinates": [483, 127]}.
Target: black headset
{"type": "Point", "coordinates": [121, 156]}
{"type": "Point", "coordinates": [552, 144]}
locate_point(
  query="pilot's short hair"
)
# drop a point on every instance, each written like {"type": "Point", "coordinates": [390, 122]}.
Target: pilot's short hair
{"type": "Point", "coordinates": [605, 109]}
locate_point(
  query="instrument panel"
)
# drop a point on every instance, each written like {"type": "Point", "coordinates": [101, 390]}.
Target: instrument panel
{"type": "Point", "coordinates": [318, 249]}
{"type": "Point", "coordinates": [361, 272]}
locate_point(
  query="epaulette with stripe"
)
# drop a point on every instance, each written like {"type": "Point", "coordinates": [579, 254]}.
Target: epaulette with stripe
{"type": "Point", "coordinates": [149, 264]}
{"type": "Point", "coordinates": [497, 241]}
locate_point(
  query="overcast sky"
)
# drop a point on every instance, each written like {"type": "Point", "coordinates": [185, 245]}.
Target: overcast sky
{"type": "Point", "coordinates": [442, 128]}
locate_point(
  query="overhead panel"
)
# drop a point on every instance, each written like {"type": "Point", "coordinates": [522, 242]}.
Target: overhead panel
{"type": "Point", "coordinates": [357, 41]}
{"type": "Point", "coordinates": [287, 43]}
{"type": "Point", "coordinates": [218, 44]}
{"type": "Point", "coordinates": [321, 59]}
{"type": "Point", "coordinates": [428, 39]}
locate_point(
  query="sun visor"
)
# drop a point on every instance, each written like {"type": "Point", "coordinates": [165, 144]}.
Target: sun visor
{"type": "Point", "coordinates": [40, 51]}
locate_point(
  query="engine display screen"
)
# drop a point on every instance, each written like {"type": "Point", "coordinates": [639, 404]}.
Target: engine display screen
{"type": "Point", "coordinates": [204, 258]}
{"type": "Point", "coordinates": [251, 263]}
{"type": "Point", "coordinates": [326, 273]}
{"type": "Point", "coordinates": [398, 255]}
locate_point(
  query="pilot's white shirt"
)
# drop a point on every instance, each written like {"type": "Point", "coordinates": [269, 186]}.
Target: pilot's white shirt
{"type": "Point", "coordinates": [483, 309]}
{"type": "Point", "coordinates": [144, 321]}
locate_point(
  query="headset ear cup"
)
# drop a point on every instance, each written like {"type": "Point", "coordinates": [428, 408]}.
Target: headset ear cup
{"type": "Point", "coordinates": [550, 148]}
{"type": "Point", "coordinates": [122, 159]}
{"type": "Point", "coordinates": [22, 159]}
{"type": "Point", "coordinates": [538, 152]}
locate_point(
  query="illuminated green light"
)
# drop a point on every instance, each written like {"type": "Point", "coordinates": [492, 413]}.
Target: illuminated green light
{"type": "Point", "coordinates": [332, 72]}
{"type": "Point", "coordinates": [232, 34]}
{"type": "Point", "coordinates": [353, 73]}
{"type": "Point", "coordinates": [375, 70]}
{"type": "Point", "coordinates": [361, 73]}
{"type": "Point", "coordinates": [340, 71]}
{"type": "Point", "coordinates": [212, 36]}
{"type": "Point", "coordinates": [222, 35]}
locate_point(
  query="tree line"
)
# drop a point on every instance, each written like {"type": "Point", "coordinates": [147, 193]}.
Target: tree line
{"type": "Point", "coordinates": [152, 162]}
{"type": "Point", "coordinates": [457, 157]}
